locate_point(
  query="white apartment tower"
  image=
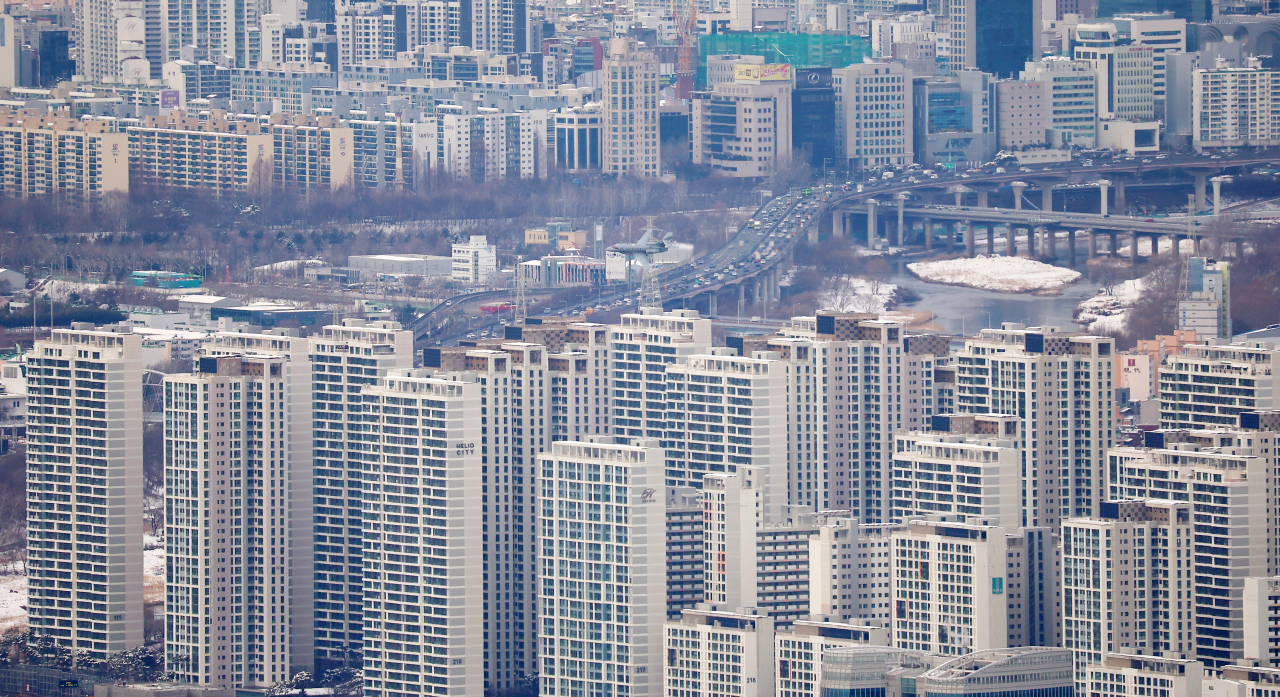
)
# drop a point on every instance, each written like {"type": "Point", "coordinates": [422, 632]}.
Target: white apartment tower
{"type": "Point", "coordinates": [1232, 107]}
{"type": "Point", "coordinates": [229, 536]}
{"type": "Point", "coordinates": [1210, 385]}
{"type": "Point", "coordinates": [948, 592]}
{"type": "Point", "coordinates": [515, 421]}
{"type": "Point", "coordinates": [423, 608]}
{"type": "Point", "coordinates": [964, 469]}
{"type": "Point", "coordinates": [719, 652]}
{"type": "Point", "coordinates": [1059, 384]}
{"type": "Point", "coordinates": [219, 32]}
{"type": "Point", "coordinates": [117, 38]}
{"type": "Point", "coordinates": [725, 412]}
{"type": "Point", "coordinates": [630, 82]}
{"type": "Point", "coordinates": [1125, 579]}
{"type": "Point", "coordinates": [297, 427]}
{"type": "Point", "coordinates": [641, 347]}
{"type": "Point", "coordinates": [345, 359]}
{"type": "Point", "coordinates": [602, 601]}
{"type": "Point", "coordinates": [1228, 478]}
{"type": "Point", "coordinates": [85, 576]}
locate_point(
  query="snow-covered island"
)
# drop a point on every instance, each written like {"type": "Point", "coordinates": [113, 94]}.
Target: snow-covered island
{"type": "Point", "coordinates": [997, 273]}
{"type": "Point", "coordinates": [1108, 311]}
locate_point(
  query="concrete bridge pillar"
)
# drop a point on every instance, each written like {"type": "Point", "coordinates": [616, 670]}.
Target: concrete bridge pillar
{"type": "Point", "coordinates": [968, 238]}
{"type": "Point", "coordinates": [950, 226]}
{"type": "Point", "coordinates": [837, 223]}
{"type": "Point", "coordinates": [1010, 244]}
{"type": "Point", "coordinates": [1093, 244]}
{"type": "Point", "coordinates": [1050, 242]}
{"type": "Point", "coordinates": [982, 199]}
{"type": "Point", "coordinates": [1031, 242]}
{"type": "Point", "coordinates": [959, 197]}
{"type": "Point", "coordinates": [711, 303]}
{"type": "Point", "coordinates": [1018, 188]}
{"type": "Point", "coordinates": [991, 238]}
{"type": "Point", "coordinates": [1176, 246]}
{"type": "Point", "coordinates": [773, 284]}
{"type": "Point", "coordinates": [1200, 192]}
{"type": "Point", "coordinates": [742, 295]}
{"type": "Point", "coordinates": [1217, 193]}
{"type": "Point", "coordinates": [1133, 248]}
{"type": "Point", "coordinates": [902, 201]}
{"type": "Point", "coordinates": [873, 233]}
{"type": "Point", "coordinates": [1196, 242]}
{"type": "Point", "coordinates": [1114, 247]}
{"type": "Point", "coordinates": [1239, 248]}
{"type": "Point", "coordinates": [928, 234]}
{"type": "Point", "coordinates": [1046, 196]}
{"type": "Point", "coordinates": [1155, 248]}
{"type": "Point", "coordinates": [1102, 188]}
{"type": "Point", "coordinates": [1122, 204]}
{"type": "Point", "coordinates": [1071, 245]}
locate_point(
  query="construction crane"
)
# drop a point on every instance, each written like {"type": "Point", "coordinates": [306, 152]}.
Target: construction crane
{"type": "Point", "coordinates": [687, 41]}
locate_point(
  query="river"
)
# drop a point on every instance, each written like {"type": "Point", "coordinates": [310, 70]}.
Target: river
{"type": "Point", "coordinates": [966, 310]}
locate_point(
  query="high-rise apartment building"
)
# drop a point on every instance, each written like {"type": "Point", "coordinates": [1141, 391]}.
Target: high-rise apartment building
{"type": "Point", "coordinates": [229, 543]}
{"type": "Point", "coordinates": [1231, 107]}
{"type": "Point", "coordinates": [799, 653]}
{"type": "Point", "coordinates": [200, 30]}
{"type": "Point", "coordinates": [743, 128]}
{"type": "Point", "coordinates": [724, 412]}
{"type": "Point", "coordinates": [1125, 575]}
{"type": "Point", "coordinates": [423, 607]}
{"type": "Point", "coordinates": [84, 496]}
{"type": "Point", "coordinates": [515, 421]}
{"type": "Point", "coordinates": [948, 592]}
{"type": "Point", "coordinates": [1210, 385]}
{"type": "Point", "coordinates": [117, 38]}
{"type": "Point", "coordinates": [295, 425]}
{"type": "Point", "coordinates": [1060, 384]}
{"type": "Point", "coordinates": [345, 359]}
{"type": "Point", "coordinates": [965, 468]}
{"type": "Point", "coordinates": [850, 571]}
{"type": "Point", "coordinates": [1226, 476]}
{"type": "Point", "coordinates": [717, 651]}
{"type": "Point", "coordinates": [498, 26]}
{"type": "Point", "coordinates": [630, 87]}
{"type": "Point", "coordinates": [854, 380]}
{"type": "Point", "coordinates": [641, 347]}
{"type": "Point", "coordinates": [1261, 615]}
{"type": "Point", "coordinates": [601, 602]}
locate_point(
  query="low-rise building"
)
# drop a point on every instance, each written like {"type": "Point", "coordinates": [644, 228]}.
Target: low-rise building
{"type": "Point", "coordinates": [474, 261]}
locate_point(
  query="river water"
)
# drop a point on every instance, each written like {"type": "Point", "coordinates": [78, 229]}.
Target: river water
{"type": "Point", "coordinates": [960, 310]}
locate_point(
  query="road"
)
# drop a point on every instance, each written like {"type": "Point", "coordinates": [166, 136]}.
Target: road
{"type": "Point", "coordinates": [785, 219]}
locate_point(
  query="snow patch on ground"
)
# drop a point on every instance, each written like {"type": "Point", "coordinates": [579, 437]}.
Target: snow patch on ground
{"type": "Point", "coordinates": [61, 290]}
{"type": "Point", "coordinates": [1186, 247]}
{"type": "Point", "coordinates": [993, 272]}
{"type": "Point", "coordinates": [13, 600]}
{"type": "Point", "coordinates": [1107, 312]}
{"type": "Point", "coordinates": [853, 294]}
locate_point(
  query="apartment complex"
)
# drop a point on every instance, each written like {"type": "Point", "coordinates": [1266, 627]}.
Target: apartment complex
{"type": "Point", "coordinates": [84, 455]}
{"type": "Point", "coordinates": [1060, 385]}
{"type": "Point", "coordinates": [423, 610]}
{"type": "Point", "coordinates": [601, 623]}
{"type": "Point", "coordinates": [966, 468]}
{"type": "Point", "coordinates": [79, 159]}
{"type": "Point", "coordinates": [1224, 475]}
{"type": "Point", "coordinates": [1232, 106]}
{"type": "Point", "coordinates": [1144, 548]}
{"type": "Point", "coordinates": [229, 540]}
{"type": "Point", "coordinates": [345, 360]}
{"type": "Point", "coordinates": [641, 347]}
{"type": "Point", "coordinates": [1210, 385]}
